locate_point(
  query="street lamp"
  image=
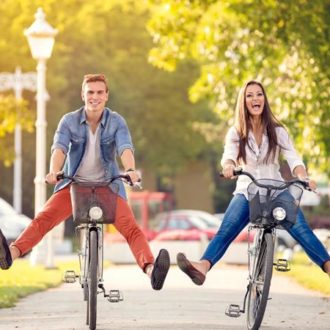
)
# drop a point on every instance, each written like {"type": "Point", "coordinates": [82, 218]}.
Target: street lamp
{"type": "Point", "coordinates": [41, 38]}
{"type": "Point", "coordinates": [18, 81]}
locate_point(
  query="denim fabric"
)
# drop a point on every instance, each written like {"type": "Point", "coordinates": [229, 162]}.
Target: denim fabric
{"type": "Point", "coordinates": [71, 137]}
{"type": "Point", "coordinates": [303, 234]}
{"type": "Point", "coordinates": [237, 217]}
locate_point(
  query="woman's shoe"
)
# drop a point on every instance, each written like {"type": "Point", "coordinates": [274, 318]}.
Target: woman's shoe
{"type": "Point", "coordinates": [185, 265]}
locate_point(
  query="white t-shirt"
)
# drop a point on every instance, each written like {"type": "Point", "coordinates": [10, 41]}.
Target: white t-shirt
{"type": "Point", "coordinates": [91, 168]}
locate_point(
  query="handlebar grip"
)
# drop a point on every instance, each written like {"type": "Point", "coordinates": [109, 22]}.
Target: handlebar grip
{"type": "Point", "coordinates": [237, 171]}
{"type": "Point", "coordinates": [60, 176]}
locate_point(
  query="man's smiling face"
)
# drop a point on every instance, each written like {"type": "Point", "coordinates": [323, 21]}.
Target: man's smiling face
{"type": "Point", "coordinates": [95, 96]}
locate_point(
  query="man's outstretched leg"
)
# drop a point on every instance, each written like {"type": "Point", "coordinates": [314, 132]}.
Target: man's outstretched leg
{"type": "Point", "coordinates": [156, 269]}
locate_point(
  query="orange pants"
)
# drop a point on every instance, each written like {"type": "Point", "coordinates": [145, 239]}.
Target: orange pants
{"type": "Point", "coordinates": [58, 208]}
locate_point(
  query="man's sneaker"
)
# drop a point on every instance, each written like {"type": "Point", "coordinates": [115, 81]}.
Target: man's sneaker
{"type": "Point", "coordinates": [160, 270]}
{"type": "Point", "coordinates": [5, 256]}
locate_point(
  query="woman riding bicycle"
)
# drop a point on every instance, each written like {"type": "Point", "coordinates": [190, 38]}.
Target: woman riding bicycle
{"type": "Point", "coordinates": [255, 143]}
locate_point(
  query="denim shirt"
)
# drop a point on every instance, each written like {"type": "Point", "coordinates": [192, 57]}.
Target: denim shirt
{"type": "Point", "coordinates": [71, 137]}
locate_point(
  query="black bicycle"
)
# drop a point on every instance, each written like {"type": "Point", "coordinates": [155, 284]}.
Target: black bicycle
{"type": "Point", "coordinates": [273, 204]}
{"type": "Point", "coordinates": [93, 206]}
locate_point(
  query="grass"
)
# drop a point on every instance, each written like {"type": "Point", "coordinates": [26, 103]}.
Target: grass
{"type": "Point", "coordinates": [308, 274]}
{"type": "Point", "coordinates": [22, 279]}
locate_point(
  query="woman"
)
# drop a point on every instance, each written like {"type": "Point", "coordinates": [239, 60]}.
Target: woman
{"type": "Point", "coordinates": [255, 143]}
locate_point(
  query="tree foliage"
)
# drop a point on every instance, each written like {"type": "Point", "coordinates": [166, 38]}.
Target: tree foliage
{"type": "Point", "coordinates": [12, 112]}
{"type": "Point", "coordinates": [283, 43]}
{"type": "Point", "coordinates": [110, 37]}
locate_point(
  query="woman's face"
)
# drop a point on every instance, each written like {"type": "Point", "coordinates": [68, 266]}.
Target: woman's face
{"type": "Point", "coordinates": [254, 100]}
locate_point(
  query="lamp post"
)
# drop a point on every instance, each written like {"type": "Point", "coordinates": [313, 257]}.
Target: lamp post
{"type": "Point", "coordinates": [41, 38]}
{"type": "Point", "coordinates": [18, 81]}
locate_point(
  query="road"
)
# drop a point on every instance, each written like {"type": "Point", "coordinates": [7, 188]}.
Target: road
{"type": "Point", "coordinates": [179, 306]}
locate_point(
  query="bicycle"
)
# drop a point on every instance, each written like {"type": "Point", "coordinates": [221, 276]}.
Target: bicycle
{"type": "Point", "coordinates": [268, 212]}
{"type": "Point", "coordinates": [93, 206]}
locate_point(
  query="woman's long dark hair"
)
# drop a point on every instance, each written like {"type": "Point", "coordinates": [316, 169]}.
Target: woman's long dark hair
{"type": "Point", "coordinates": [243, 124]}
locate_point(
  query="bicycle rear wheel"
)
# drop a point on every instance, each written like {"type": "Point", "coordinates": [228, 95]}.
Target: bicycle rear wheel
{"type": "Point", "coordinates": [92, 281]}
{"type": "Point", "coordinates": [260, 283]}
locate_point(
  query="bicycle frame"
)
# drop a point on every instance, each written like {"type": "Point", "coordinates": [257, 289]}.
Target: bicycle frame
{"type": "Point", "coordinates": [93, 205]}
{"type": "Point", "coordinates": [83, 234]}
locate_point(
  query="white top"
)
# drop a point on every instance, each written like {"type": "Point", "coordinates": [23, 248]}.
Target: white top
{"type": "Point", "coordinates": [255, 156]}
{"type": "Point", "coordinates": [91, 168]}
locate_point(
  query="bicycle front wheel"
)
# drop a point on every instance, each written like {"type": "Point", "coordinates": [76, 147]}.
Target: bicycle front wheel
{"type": "Point", "coordinates": [260, 282]}
{"type": "Point", "coordinates": [92, 281]}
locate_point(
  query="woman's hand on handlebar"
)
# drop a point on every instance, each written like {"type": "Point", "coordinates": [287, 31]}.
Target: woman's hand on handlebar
{"type": "Point", "coordinates": [228, 171]}
{"type": "Point", "coordinates": [312, 185]}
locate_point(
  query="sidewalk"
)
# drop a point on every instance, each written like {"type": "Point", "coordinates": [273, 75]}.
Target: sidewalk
{"type": "Point", "coordinates": [180, 305]}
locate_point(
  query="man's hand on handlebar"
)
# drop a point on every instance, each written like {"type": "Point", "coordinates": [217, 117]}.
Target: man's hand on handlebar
{"type": "Point", "coordinates": [52, 177]}
{"type": "Point", "coordinates": [134, 178]}
{"type": "Point", "coordinates": [134, 175]}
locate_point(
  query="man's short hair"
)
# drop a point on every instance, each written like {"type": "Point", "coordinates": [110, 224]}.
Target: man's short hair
{"type": "Point", "coordinates": [93, 77]}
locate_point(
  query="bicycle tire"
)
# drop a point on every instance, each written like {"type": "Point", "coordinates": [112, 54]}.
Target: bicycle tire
{"type": "Point", "coordinates": [92, 281]}
{"type": "Point", "coordinates": [260, 283]}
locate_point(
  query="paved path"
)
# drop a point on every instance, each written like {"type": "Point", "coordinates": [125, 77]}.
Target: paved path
{"type": "Point", "coordinates": [179, 306]}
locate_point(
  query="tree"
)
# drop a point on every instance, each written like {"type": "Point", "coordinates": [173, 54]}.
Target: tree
{"type": "Point", "coordinates": [283, 43]}
{"type": "Point", "coordinates": [109, 37]}
{"type": "Point", "coordinates": [12, 112]}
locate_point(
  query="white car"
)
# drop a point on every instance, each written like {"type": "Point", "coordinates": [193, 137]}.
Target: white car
{"type": "Point", "coordinates": [11, 222]}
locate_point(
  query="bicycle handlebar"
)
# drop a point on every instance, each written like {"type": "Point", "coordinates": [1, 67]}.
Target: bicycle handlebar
{"type": "Point", "coordinates": [127, 178]}
{"type": "Point", "coordinates": [239, 171]}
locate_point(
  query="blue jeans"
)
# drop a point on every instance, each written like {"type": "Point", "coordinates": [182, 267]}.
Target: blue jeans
{"type": "Point", "coordinates": [237, 217]}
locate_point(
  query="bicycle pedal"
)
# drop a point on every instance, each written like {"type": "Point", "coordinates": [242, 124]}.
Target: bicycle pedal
{"type": "Point", "coordinates": [233, 311]}
{"type": "Point", "coordinates": [70, 276]}
{"type": "Point", "coordinates": [282, 265]}
{"type": "Point", "coordinates": [115, 296]}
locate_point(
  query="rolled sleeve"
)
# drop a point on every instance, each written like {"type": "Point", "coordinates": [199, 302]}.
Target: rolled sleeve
{"type": "Point", "coordinates": [123, 137]}
{"type": "Point", "coordinates": [231, 146]}
{"type": "Point", "coordinates": [62, 137]}
{"type": "Point", "coordinates": [288, 150]}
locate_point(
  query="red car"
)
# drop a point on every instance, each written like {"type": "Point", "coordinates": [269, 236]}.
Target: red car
{"type": "Point", "coordinates": [187, 225]}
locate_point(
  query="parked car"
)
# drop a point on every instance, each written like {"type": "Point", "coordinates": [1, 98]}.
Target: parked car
{"type": "Point", "coordinates": [11, 222]}
{"type": "Point", "coordinates": [188, 225]}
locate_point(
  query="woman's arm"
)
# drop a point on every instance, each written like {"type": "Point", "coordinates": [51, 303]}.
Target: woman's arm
{"type": "Point", "coordinates": [301, 173]}
{"type": "Point", "coordinates": [230, 153]}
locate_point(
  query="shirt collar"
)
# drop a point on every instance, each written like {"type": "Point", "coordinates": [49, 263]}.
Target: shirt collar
{"type": "Point", "coordinates": [104, 118]}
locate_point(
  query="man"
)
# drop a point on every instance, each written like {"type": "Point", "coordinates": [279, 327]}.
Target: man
{"type": "Point", "coordinates": [85, 146]}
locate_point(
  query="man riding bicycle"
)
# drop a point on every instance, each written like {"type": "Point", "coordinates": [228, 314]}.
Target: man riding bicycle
{"type": "Point", "coordinates": [85, 146]}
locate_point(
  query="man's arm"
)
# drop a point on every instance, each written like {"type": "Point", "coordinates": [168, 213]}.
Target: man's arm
{"type": "Point", "coordinates": [128, 161]}
{"type": "Point", "coordinates": [56, 163]}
